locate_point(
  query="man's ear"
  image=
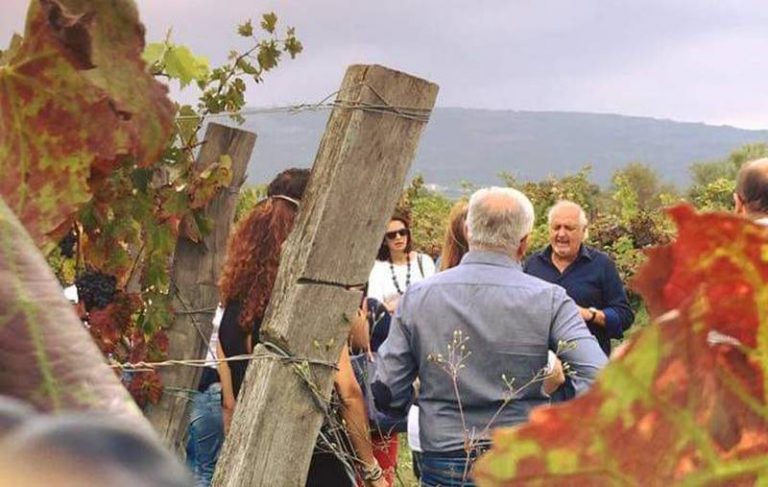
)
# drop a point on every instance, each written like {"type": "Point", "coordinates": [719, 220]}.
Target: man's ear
{"type": "Point", "coordinates": [523, 247]}
{"type": "Point", "coordinates": [738, 205]}
{"type": "Point", "coordinates": [467, 232]}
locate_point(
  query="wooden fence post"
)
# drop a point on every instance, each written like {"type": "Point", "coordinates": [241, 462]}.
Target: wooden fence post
{"type": "Point", "coordinates": [359, 172]}
{"type": "Point", "coordinates": [194, 279]}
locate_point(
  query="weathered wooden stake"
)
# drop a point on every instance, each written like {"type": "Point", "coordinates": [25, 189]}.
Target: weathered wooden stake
{"type": "Point", "coordinates": [359, 172]}
{"type": "Point", "coordinates": [194, 278]}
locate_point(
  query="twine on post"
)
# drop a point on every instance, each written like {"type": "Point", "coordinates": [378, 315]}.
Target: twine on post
{"type": "Point", "coordinates": [144, 366]}
{"type": "Point", "coordinates": [410, 113]}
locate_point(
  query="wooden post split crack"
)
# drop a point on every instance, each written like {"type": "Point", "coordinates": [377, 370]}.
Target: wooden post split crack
{"type": "Point", "coordinates": [358, 175]}
{"type": "Point", "coordinates": [194, 278]}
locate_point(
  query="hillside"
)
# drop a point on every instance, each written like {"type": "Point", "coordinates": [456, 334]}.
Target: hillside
{"type": "Point", "coordinates": [475, 145]}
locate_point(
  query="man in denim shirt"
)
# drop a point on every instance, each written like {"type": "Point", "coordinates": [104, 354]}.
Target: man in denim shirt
{"type": "Point", "coordinates": [477, 337]}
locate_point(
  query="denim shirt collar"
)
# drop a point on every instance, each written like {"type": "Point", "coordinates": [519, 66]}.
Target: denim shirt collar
{"type": "Point", "coordinates": [490, 258]}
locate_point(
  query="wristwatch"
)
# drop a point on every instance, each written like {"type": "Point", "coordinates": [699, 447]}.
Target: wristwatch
{"type": "Point", "coordinates": [592, 310]}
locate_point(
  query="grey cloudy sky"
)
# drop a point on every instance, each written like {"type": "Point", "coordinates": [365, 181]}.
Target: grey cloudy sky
{"type": "Point", "coordinates": [687, 60]}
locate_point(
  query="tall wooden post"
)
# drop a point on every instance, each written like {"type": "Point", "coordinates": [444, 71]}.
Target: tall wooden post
{"type": "Point", "coordinates": [359, 172]}
{"type": "Point", "coordinates": [194, 277]}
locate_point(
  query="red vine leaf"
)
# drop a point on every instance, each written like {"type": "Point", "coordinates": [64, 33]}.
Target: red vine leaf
{"type": "Point", "coordinates": [75, 99]}
{"type": "Point", "coordinates": [48, 358]}
{"type": "Point", "coordinates": [146, 387]}
{"type": "Point", "coordinates": [687, 401]}
{"type": "Point", "coordinates": [104, 329]}
{"type": "Point", "coordinates": [109, 324]}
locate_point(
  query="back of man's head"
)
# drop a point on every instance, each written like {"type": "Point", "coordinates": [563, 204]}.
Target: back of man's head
{"type": "Point", "coordinates": [752, 187]}
{"type": "Point", "coordinates": [498, 219]}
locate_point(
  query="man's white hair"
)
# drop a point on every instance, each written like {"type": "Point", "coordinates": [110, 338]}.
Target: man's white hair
{"type": "Point", "coordinates": [567, 203]}
{"type": "Point", "coordinates": [498, 219]}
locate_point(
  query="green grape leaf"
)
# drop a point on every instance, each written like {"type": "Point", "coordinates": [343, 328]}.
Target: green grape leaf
{"type": "Point", "coordinates": [245, 29]}
{"type": "Point", "coordinates": [75, 100]}
{"type": "Point", "coordinates": [269, 22]}
{"type": "Point", "coordinates": [153, 52]}
{"type": "Point", "coordinates": [181, 64]}
{"type": "Point", "coordinates": [686, 403]}
{"type": "Point", "coordinates": [268, 55]}
{"type": "Point", "coordinates": [247, 67]}
{"type": "Point", "coordinates": [187, 124]}
{"type": "Point", "coordinates": [293, 46]}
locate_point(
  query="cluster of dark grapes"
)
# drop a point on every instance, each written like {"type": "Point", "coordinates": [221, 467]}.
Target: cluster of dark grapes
{"type": "Point", "coordinates": [95, 289]}
{"type": "Point", "coordinates": [68, 244]}
{"type": "Point", "coordinates": [646, 231]}
{"type": "Point", "coordinates": [605, 233]}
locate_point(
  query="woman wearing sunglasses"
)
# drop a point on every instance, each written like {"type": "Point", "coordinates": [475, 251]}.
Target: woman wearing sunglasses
{"type": "Point", "coordinates": [397, 266]}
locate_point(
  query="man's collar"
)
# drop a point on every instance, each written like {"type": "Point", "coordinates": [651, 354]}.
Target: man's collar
{"type": "Point", "coordinates": [491, 258]}
{"type": "Point", "coordinates": [584, 251]}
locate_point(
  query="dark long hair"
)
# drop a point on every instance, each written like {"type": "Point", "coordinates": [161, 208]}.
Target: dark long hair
{"type": "Point", "coordinates": [384, 250]}
{"type": "Point", "coordinates": [253, 252]}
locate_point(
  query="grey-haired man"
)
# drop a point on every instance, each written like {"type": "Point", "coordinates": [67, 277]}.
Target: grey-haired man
{"type": "Point", "coordinates": [478, 333]}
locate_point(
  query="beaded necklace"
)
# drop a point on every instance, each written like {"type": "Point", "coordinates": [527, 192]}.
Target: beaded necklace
{"type": "Point", "coordinates": [407, 274]}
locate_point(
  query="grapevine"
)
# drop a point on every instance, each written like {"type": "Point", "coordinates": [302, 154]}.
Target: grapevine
{"type": "Point", "coordinates": [129, 228]}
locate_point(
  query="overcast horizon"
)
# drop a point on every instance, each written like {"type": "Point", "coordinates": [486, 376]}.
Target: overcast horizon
{"type": "Point", "coordinates": [700, 61]}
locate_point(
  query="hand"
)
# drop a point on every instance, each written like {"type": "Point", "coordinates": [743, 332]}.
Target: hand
{"type": "Point", "coordinates": [391, 304]}
{"type": "Point", "coordinates": [555, 379]}
{"type": "Point", "coordinates": [381, 482]}
{"type": "Point", "coordinates": [598, 318]}
{"type": "Point", "coordinates": [585, 313]}
{"type": "Point", "coordinates": [359, 333]}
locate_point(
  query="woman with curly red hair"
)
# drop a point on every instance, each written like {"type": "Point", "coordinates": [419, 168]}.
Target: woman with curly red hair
{"type": "Point", "coordinates": [249, 273]}
{"type": "Point", "coordinates": [246, 286]}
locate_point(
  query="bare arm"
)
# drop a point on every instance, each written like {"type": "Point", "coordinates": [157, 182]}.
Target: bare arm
{"type": "Point", "coordinates": [353, 413]}
{"type": "Point", "coordinates": [359, 335]}
{"type": "Point", "coordinates": [228, 398]}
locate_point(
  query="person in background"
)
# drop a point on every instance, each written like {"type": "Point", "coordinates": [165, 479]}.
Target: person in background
{"type": "Point", "coordinates": [205, 432]}
{"type": "Point", "coordinates": [455, 243]}
{"type": "Point", "coordinates": [397, 265]}
{"type": "Point", "coordinates": [250, 270]}
{"type": "Point", "coordinates": [588, 275]}
{"type": "Point", "coordinates": [501, 325]}
{"type": "Point", "coordinates": [751, 196]}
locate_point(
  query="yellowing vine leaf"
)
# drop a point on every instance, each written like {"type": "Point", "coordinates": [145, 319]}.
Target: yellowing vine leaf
{"type": "Point", "coordinates": [686, 404]}
{"type": "Point", "coordinates": [75, 99]}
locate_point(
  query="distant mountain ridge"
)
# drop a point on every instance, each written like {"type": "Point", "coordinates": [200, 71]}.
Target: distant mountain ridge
{"type": "Point", "coordinates": [462, 144]}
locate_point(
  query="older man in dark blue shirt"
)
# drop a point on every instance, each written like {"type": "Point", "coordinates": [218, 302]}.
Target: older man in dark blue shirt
{"type": "Point", "coordinates": [478, 338]}
{"type": "Point", "coordinates": [589, 276]}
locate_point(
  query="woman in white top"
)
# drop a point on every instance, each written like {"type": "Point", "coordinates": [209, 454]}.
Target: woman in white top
{"type": "Point", "coordinates": [397, 266]}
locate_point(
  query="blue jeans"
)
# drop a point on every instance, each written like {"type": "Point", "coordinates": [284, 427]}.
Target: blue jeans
{"type": "Point", "coordinates": [449, 471]}
{"type": "Point", "coordinates": [205, 434]}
